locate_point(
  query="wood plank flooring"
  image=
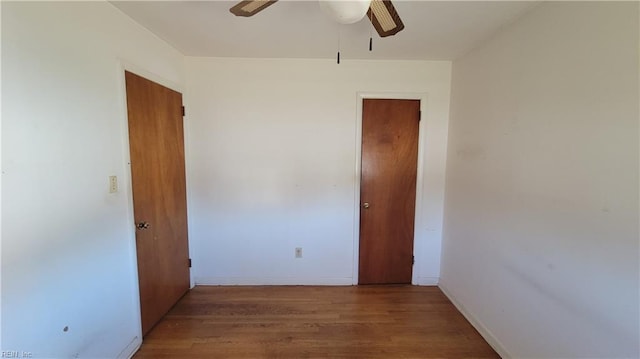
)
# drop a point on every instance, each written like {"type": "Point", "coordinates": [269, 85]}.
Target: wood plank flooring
{"type": "Point", "coordinates": [314, 322]}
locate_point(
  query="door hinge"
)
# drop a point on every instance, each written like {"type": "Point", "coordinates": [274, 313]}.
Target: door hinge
{"type": "Point", "coordinates": [413, 260]}
{"type": "Point", "coordinates": [419, 115]}
{"type": "Point", "coordinates": [183, 112]}
{"type": "Point", "coordinates": [189, 262]}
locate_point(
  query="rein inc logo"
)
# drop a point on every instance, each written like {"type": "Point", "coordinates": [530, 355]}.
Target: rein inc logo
{"type": "Point", "coordinates": [16, 354]}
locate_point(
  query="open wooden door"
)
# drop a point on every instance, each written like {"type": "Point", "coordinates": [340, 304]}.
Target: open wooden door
{"type": "Point", "coordinates": [388, 190]}
{"type": "Point", "coordinates": [156, 144]}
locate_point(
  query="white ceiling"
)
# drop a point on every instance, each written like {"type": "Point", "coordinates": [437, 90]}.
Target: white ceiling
{"type": "Point", "coordinates": [434, 30]}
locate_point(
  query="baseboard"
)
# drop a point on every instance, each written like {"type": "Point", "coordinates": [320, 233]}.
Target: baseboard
{"type": "Point", "coordinates": [427, 281]}
{"type": "Point", "coordinates": [131, 348]}
{"type": "Point", "coordinates": [484, 332]}
{"type": "Point", "coordinates": [273, 281]}
{"type": "Point", "coordinates": [423, 281]}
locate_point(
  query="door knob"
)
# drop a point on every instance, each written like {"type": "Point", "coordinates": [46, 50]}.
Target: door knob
{"type": "Point", "coordinates": [143, 225]}
{"type": "Point", "coordinates": [365, 205]}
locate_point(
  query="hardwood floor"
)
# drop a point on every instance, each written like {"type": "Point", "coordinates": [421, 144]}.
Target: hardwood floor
{"type": "Point", "coordinates": [314, 322]}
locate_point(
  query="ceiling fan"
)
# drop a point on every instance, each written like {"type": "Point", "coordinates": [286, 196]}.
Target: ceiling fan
{"type": "Point", "coordinates": [381, 13]}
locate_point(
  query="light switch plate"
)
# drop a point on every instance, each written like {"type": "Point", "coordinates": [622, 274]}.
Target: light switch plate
{"type": "Point", "coordinates": [113, 184]}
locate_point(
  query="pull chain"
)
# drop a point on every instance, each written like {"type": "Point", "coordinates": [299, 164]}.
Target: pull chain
{"type": "Point", "coordinates": [370, 31]}
{"type": "Point", "coordinates": [339, 43]}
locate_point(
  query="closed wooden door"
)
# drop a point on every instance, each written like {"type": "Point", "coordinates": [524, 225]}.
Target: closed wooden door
{"type": "Point", "coordinates": [156, 144]}
{"type": "Point", "coordinates": [388, 190]}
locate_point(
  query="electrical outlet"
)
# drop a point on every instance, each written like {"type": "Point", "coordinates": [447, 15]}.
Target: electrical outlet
{"type": "Point", "coordinates": [298, 252]}
{"type": "Point", "coordinates": [113, 184]}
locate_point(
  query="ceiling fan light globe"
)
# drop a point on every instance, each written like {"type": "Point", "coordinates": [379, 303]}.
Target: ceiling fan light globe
{"type": "Point", "coordinates": [345, 11]}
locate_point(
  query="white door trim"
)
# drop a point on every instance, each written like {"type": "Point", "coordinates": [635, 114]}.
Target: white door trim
{"type": "Point", "coordinates": [419, 180]}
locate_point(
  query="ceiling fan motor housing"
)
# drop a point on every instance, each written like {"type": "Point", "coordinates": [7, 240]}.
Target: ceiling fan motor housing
{"type": "Point", "coordinates": [345, 11]}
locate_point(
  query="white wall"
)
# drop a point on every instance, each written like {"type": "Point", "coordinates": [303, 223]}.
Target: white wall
{"type": "Point", "coordinates": [541, 213]}
{"type": "Point", "coordinates": [68, 255]}
{"type": "Point", "coordinates": [272, 166]}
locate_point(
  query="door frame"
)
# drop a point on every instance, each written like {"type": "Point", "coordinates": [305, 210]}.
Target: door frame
{"type": "Point", "coordinates": [125, 182]}
{"type": "Point", "coordinates": [361, 96]}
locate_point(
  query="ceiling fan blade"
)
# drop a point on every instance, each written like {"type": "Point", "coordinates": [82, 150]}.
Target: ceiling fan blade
{"type": "Point", "coordinates": [248, 8]}
{"type": "Point", "coordinates": [384, 18]}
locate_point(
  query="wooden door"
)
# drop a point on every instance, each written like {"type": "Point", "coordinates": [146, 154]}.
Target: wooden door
{"type": "Point", "coordinates": [156, 145]}
{"type": "Point", "coordinates": [388, 190]}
